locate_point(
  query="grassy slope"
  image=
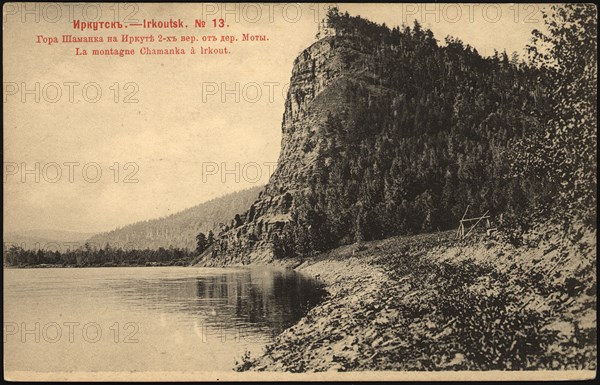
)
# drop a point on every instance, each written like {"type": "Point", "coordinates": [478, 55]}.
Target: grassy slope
{"type": "Point", "coordinates": [430, 302]}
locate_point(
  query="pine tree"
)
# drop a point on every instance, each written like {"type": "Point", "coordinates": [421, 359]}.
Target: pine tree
{"type": "Point", "coordinates": [201, 243]}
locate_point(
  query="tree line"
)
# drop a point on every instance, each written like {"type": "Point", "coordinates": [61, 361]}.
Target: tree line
{"type": "Point", "coordinates": [88, 256]}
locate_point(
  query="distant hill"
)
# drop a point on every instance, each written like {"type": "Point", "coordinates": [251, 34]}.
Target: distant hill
{"type": "Point", "coordinates": [179, 229]}
{"type": "Point", "coordinates": [45, 238]}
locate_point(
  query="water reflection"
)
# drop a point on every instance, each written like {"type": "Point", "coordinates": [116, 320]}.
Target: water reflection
{"type": "Point", "coordinates": [264, 298]}
{"type": "Point", "coordinates": [260, 300]}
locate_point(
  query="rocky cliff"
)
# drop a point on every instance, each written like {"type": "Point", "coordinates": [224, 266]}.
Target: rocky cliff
{"type": "Point", "coordinates": [385, 132]}
{"type": "Point", "coordinates": [321, 78]}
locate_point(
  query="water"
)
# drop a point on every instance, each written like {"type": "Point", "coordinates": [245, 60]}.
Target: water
{"type": "Point", "coordinates": [147, 318]}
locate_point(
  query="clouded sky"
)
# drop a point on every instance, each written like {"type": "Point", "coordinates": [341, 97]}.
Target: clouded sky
{"type": "Point", "coordinates": [172, 125]}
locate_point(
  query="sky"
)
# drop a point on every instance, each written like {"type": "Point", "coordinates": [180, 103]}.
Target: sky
{"type": "Point", "coordinates": [95, 142]}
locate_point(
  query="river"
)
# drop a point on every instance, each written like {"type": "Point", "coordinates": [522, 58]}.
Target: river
{"type": "Point", "coordinates": [147, 318]}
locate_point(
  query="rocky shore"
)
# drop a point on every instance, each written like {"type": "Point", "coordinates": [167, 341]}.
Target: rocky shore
{"type": "Point", "coordinates": [430, 302]}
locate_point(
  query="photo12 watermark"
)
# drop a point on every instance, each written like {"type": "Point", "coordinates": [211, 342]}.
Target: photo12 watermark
{"type": "Point", "coordinates": [469, 13]}
{"type": "Point", "coordinates": [72, 92]}
{"type": "Point", "coordinates": [70, 172]}
{"type": "Point", "coordinates": [210, 333]}
{"type": "Point", "coordinates": [70, 332]}
{"type": "Point", "coordinates": [246, 92]}
{"type": "Point", "coordinates": [54, 13]}
{"type": "Point", "coordinates": [250, 172]}
{"type": "Point", "coordinates": [265, 12]}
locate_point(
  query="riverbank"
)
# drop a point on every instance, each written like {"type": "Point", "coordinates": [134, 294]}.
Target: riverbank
{"type": "Point", "coordinates": [107, 264]}
{"type": "Point", "coordinates": [430, 302]}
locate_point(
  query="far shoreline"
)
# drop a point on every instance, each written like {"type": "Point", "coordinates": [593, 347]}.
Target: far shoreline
{"type": "Point", "coordinates": [45, 266]}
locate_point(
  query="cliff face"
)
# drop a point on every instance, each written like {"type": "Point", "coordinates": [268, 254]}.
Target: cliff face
{"type": "Point", "coordinates": [319, 86]}
{"type": "Point", "coordinates": [387, 133]}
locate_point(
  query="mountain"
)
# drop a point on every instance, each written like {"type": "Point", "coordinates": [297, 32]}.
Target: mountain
{"type": "Point", "coordinates": [179, 229]}
{"type": "Point", "coordinates": [45, 238]}
{"type": "Point", "coordinates": [387, 132]}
